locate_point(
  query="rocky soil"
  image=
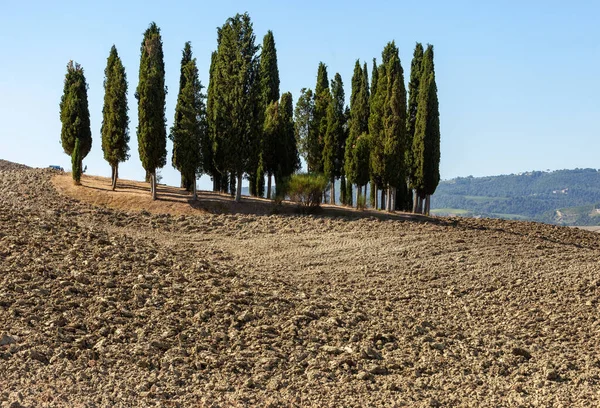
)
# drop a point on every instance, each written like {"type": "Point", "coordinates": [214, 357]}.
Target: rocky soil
{"type": "Point", "coordinates": [103, 308]}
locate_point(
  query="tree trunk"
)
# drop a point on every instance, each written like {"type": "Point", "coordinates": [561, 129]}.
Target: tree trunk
{"type": "Point", "coordinates": [428, 205]}
{"type": "Point", "coordinates": [415, 202]}
{"type": "Point", "coordinates": [232, 185]}
{"type": "Point", "coordinates": [153, 184]}
{"type": "Point", "coordinates": [238, 191]}
{"type": "Point", "coordinates": [343, 190]}
{"type": "Point", "coordinates": [420, 205]}
{"type": "Point", "coordinates": [194, 191]}
{"type": "Point", "coordinates": [382, 204]}
{"type": "Point", "coordinates": [332, 196]}
{"type": "Point", "coordinates": [113, 177]}
{"type": "Point", "coordinates": [374, 196]}
{"type": "Point", "coordinates": [269, 186]}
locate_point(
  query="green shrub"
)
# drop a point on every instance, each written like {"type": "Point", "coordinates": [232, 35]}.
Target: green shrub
{"type": "Point", "coordinates": [307, 190]}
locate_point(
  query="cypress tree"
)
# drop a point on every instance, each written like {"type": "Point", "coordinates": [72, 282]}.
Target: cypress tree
{"type": "Point", "coordinates": [318, 127]}
{"type": "Point", "coordinates": [333, 141]}
{"type": "Point", "coordinates": [377, 161]}
{"type": "Point", "coordinates": [413, 103]}
{"type": "Point", "coordinates": [394, 129]}
{"type": "Point", "coordinates": [188, 133]}
{"type": "Point", "coordinates": [237, 98]}
{"type": "Point", "coordinates": [76, 163]}
{"type": "Point", "coordinates": [213, 152]}
{"type": "Point", "coordinates": [115, 120]}
{"type": "Point", "coordinates": [372, 97]}
{"type": "Point", "coordinates": [303, 127]}
{"type": "Point", "coordinates": [74, 113]}
{"type": "Point", "coordinates": [356, 167]}
{"type": "Point", "coordinates": [151, 93]}
{"type": "Point", "coordinates": [426, 142]}
{"type": "Point", "coordinates": [290, 160]}
{"type": "Point", "coordinates": [269, 87]}
{"type": "Point", "coordinates": [186, 179]}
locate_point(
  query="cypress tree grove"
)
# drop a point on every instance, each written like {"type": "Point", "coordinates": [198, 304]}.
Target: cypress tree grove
{"type": "Point", "coordinates": [76, 163]}
{"type": "Point", "coordinates": [304, 121]}
{"type": "Point", "coordinates": [74, 113]}
{"type": "Point", "coordinates": [345, 188]}
{"type": "Point", "coordinates": [426, 143]}
{"type": "Point", "coordinates": [269, 88]}
{"type": "Point", "coordinates": [188, 132]}
{"type": "Point", "coordinates": [151, 93]}
{"type": "Point", "coordinates": [318, 127]}
{"type": "Point", "coordinates": [333, 141]}
{"type": "Point", "coordinates": [413, 103]}
{"type": "Point", "coordinates": [115, 120]}
{"type": "Point", "coordinates": [237, 98]}
{"type": "Point", "coordinates": [186, 181]}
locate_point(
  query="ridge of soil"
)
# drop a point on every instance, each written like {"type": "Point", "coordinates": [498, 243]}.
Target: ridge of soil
{"type": "Point", "coordinates": [105, 307]}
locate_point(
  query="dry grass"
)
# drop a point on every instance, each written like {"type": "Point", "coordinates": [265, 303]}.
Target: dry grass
{"type": "Point", "coordinates": [135, 196]}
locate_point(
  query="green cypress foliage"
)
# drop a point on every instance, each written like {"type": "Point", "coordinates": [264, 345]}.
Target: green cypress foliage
{"type": "Point", "coordinates": [237, 97]}
{"type": "Point", "coordinates": [76, 163]}
{"type": "Point", "coordinates": [188, 132]}
{"type": "Point", "coordinates": [115, 120]}
{"type": "Point", "coordinates": [426, 142]}
{"type": "Point", "coordinates": [151, 93]}
{"type": "Point", "coordinates": [186, 181]}
{"type": "Point", "coordinates": [334, 135]}
{"type": "Point", "coordinates": [377, 161]}
{"type": "Point", "coordinates": [74, 112]}
{"type": "Point", "coordinates": [304, 121]}
{"type": "Point", "coordinates": [318, 127]}
{"type": "Point", "coordinates": [269, 86]}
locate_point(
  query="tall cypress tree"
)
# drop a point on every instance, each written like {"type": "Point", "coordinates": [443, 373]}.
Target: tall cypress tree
{"type": "Point", "coordinates": [237, 97]}
{"type": "Point", "coordinates": [334, 134]}
{"type": "Point", "coordinates": [74, 113]}
{"type": "Point", "coordinates": [115, 120]}
{"type": "Point", "coordinates": [318, 127]}
{"type": "Point", "coordinates": [188, 132]}
{"type": "Point", "coordinates": [151, 93]}
{"type": "Point", "coordinates": [394, 129]}
{"type": "Point", "coordinates": [426, 142]}
{"type": "Point", "coordinates": [186, 181]}
{"type": "Point", "coordinates": [377, 162]}
{"type": "Point", "coordinates": [288, 150]}
{"type": "Point", "coordinates": [269, 87]}
{"type": "Point", "coordinates": [357, 154]}
{"type": "Point", "coordinates": [303, 128]}
{"type": "Point", "coordinates": [372, 97]}
{"type": "Point", "coordinates": [413, 103]}
{"type": "Point", "coordinates": [214, 163]}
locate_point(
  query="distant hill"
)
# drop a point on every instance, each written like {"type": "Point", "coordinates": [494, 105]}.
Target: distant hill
{"type": "Point", "coordinates": [563, 197]}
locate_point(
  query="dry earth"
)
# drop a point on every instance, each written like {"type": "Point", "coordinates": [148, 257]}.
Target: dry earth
{"type": "Point", "coordinates": [103, 307]}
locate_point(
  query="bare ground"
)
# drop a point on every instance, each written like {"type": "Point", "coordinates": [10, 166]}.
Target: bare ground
{"type": "Point", "coordinates": [105, 307]}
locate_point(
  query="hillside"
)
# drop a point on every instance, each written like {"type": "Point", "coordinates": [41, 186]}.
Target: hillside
{"type": "Point", "coordinates": [101, 306]}
{"type": "Point", "coordinates": [563, 197]}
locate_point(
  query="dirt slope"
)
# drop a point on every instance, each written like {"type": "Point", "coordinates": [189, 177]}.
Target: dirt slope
{"type": "Point", "coordinates": [101, 307]}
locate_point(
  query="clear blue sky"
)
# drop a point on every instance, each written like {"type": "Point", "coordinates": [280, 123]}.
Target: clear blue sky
{"type": "Point", "coordinates": [518, 81]}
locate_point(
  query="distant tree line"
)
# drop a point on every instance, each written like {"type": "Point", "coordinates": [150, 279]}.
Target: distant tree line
{"type": "Point", "coordinates": [243, 127]}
